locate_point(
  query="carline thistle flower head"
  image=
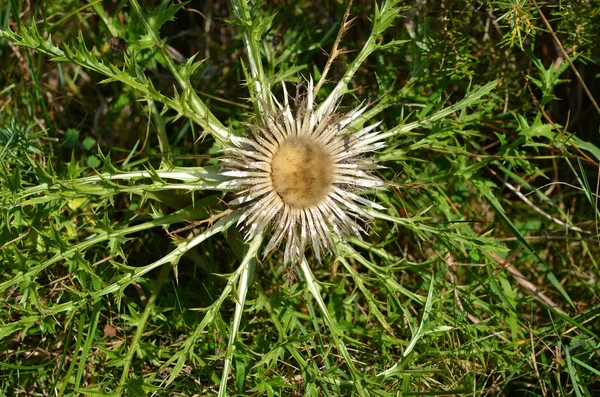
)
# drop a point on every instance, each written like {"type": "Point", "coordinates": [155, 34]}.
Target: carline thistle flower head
{"type": "Point", "coordinates": [301, 176]}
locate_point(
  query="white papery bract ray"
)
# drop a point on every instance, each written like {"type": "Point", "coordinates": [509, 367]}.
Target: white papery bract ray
{"type": "Point", "coordinates": [301, 174]}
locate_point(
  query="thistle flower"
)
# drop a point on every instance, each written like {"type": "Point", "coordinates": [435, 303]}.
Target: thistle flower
{"type": "Point", "coordinates": [302, 176]}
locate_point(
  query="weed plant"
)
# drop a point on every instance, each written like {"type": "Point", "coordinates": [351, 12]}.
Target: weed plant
{"type": "Point", "coordinates": [125, 269]}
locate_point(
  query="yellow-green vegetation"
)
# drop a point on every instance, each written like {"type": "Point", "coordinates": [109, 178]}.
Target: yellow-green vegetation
{"type": "Point", "coordinates": [430, 178]}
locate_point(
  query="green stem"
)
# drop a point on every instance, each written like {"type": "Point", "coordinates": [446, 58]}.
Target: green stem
{"type": "Point", "coordinates": [342, 86]}
{"type": "Point", "coordinates": [247, 270]}
{"type": "Point", "coordinates": [182, 216]}
{"type": "Point", "coordinates": [164, 272]}
{"type": "Point", "coordinates": [194, 178]}
{"type": "Point", "coordinates": [198, 106]}
{"type": "Point", "coordinates": [469, 100]}
{"type": "Point", "coordinates": [80, 326]}
{"type": "Point", "coordinates": [260, 88]}
{"type": "Point", "coordinates": [382, 20]}
{"type": "Point", "coordinates": [161, 133]}
{"type": "Point", "coordinates": [336, 333]}
{"type": "Point", "coordinates": [171, 257]}
{"type": "Point", "coordinates": [209, 317]}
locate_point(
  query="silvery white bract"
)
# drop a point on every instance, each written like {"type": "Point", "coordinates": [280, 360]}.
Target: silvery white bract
{"type": "Point", "coordinates": [302, 176]}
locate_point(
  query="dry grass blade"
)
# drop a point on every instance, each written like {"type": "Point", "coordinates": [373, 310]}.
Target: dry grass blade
{"type": "Point", "coordinates": [335, 52]}
{"type": "Point", "coordinates": [525, 283]}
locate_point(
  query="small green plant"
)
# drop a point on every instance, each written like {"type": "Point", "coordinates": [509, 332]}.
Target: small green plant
{"type": "Point", "coordinates": [370, 233]}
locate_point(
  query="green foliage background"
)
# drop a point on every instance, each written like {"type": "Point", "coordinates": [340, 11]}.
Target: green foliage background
{"type": "Point", "coordinates": [481, 278]}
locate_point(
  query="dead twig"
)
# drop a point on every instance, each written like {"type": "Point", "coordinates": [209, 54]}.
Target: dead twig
{"type": "Point", "coordinates": [542, 212]}
{"type": "Point", "coordinates": [335, 52]}
{"type": "Point", "coordinates": [210, 220]}
{"type": "Point", "coordinates": [526, 284]}
{"type": "Point", "coordinates": [564, 54]}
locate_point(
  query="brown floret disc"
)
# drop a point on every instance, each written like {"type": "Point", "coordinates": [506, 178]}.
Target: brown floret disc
{"type": "Point", "coordinates": [302, 172]}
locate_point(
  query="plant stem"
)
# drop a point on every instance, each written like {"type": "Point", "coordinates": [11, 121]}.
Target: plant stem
{"type": "Point", "coordinates": [261, 87]}
{"type": "Point", "coordinates": [164, 272]}
{"type": "Point", "coordinates": [211, 122]}
{"type": "Point", "coordinates": [247, 269]}
{"type": "Point", "coordinates": [336, 333]}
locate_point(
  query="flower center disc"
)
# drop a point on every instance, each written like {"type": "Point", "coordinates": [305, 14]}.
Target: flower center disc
{"type": "Point", "coordinates": [302, 172]}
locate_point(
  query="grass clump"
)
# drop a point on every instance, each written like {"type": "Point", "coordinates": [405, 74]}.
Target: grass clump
{"type": "Point", "coordinates": [127, 270]}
